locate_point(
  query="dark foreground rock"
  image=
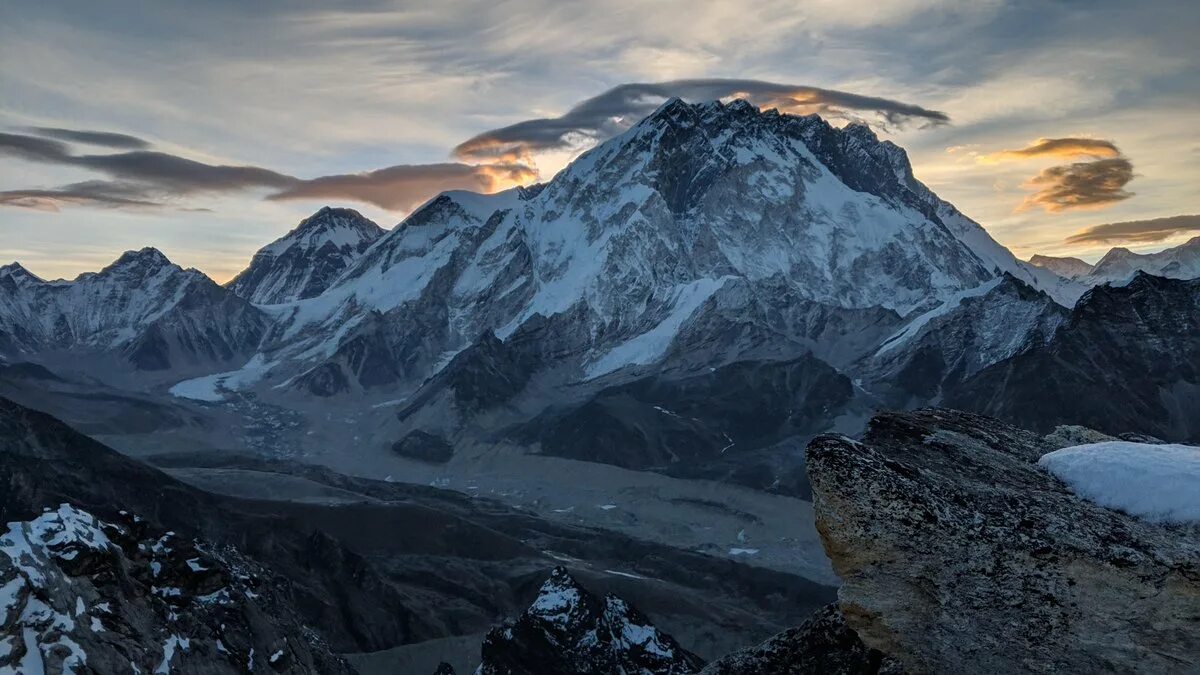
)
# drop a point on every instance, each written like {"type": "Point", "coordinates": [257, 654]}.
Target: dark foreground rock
{"type": "Point", "coordinates": [82, 595]}
{"type": "Point", "coordinates": [959, 554]}
{"type": "Point", "coordinates": [823, 645]}
{"type": "Point", "coordinates": [569, 631]}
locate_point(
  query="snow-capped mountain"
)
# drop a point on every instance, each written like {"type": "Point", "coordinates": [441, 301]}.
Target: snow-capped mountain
{"type": "Point", "coordinates": [153, 313]}
{"type": "Point", "coordinates": [697, 209]}
{"type": "Point", "coordinates": [304, 262]}
{"type": "Point", "coordinates": [569, 631]}
{"type": "Point", "coordinates": [1068, 268]}
{"type": "Point", "coordinates": [1120, 264]}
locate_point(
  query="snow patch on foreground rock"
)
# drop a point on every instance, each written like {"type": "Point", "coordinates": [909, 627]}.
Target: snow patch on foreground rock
{"type": "Point", "coordinates": [1160, 483]}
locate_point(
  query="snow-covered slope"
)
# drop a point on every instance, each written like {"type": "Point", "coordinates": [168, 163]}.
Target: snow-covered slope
{"type": "Point", "coordinates": [151, 311]}
{"type": "Point", "coordinates": [1068, 268]}
{"type": "Point", "coordinates": [303, 262]}
{"type": "Point", "coordinates": [1120, 264]}
{"type": "Point", "coordinates": [692, 207]}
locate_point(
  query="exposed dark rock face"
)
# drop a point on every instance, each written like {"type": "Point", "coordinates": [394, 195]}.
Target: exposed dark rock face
{"type": "Point", "coordinates": [85, 595]}
{"type": "Point", "coordinates": [959, 554]}
{"type": "Point", "coordinates": [723, 423]}
{"type": "Point", "coordinates": [425, 447]}
{"type": "Point", "coordinates": [823, 645]}
{"type": "Point", "coordinates": [570, 631]}
{"type": "Point", "coordinates": [920, 363]}
{"type": "Point", "coordinates": [1126, 360]}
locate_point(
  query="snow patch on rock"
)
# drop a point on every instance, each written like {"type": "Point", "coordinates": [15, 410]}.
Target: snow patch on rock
{"type": "Point", "coordinates": [1159, 483]}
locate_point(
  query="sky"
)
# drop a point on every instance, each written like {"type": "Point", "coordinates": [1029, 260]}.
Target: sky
{"type": "Point", "coordinates": [208, 129]}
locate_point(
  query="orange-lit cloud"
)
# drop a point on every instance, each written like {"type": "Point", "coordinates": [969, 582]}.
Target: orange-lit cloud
{"type": "Point", "coordinates": [1058, 148]}
{"type": "Point", "coordinates": [1081, 185]}
{"type": "Point", "coordinates": [1137, 231]}
{"type": "Point", "coordinates": [401, 188]}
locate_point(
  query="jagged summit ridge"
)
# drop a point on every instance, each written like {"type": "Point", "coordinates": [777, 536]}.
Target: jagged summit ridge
{"type": "Point", "coordinates": [569, 631]}
{"type": "Point", "coordinates": [302, 263]}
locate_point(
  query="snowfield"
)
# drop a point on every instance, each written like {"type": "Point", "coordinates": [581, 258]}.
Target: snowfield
{"type": "Point", "coordinates": [1159, 483]}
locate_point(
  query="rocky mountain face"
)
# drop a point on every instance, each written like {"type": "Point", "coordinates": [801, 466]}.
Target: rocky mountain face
{"type": "Point", "coordinates": [80, 594]}
{"type": "Point", "coordinates": [951, 343]}
{"type": "Point", "coordinates": [304, 262]}
{"type": "Point", "coordinates": [568, 631]}
{"type": "Point", "coordinates": [1127, 358]}
{"type": "Point", "coordinates": [958, 553]}
{"type": "Point", "coordinates": [142, 310]}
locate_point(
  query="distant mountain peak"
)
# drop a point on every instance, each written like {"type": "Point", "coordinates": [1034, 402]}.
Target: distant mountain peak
{"type": "Point", "coordinates": [302, 263]}
{"type": "Point", "coordinates": [16, 271]}
{"type": "Point", "coordinates": [142, 262]}
{"type": "Point", "coordinates": [1066, 267]}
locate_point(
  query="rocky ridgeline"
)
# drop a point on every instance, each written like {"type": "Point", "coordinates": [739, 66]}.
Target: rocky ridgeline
{"type": "Point", "coordinates": [959, 553]}
{"type": "Point", "coordinates": [78, 594]}
{"type": "Point", "coordinates": [569, 630]}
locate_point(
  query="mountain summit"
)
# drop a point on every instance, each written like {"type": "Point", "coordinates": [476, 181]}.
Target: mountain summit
{"type": "Point", "coordinates": [302, 263]}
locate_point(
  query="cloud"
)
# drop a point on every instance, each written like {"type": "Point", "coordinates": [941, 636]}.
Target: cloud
{"type": "Point", "coordinates": [401, 188]}
{"type": "Point", "coordinates": [1137, 231]}
{"type": "Point", "coordinates": [106, 139]}
{"type": "Point", "coordinates": [617, 109]}
{"type": "Point", "coordinates": [1062, 148]}
{"type": "Point", "coordinates": [1082, 185]}
{"type": "Point", "coordinates": [145, 179]}
{"type": "Point", "coordinates": [101, 194]}
{"type": "Point", "coordinates": [169, 173]}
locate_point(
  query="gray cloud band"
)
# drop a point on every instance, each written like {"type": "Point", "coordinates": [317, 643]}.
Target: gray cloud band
{"type": "Point", "coordinates": [1137, 231]}
{"type": "Point", "coordinates": [106, 139]}
{"type": "Point", "coordinates": [618, 108]}
{"type": "Point", "coordinates": [143, 178]}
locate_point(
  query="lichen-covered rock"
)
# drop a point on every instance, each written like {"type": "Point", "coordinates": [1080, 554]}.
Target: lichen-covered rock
{"type": "Point", "coordinates": [823, 645]}
{"type": "Point", "coordinates": [959, 554]}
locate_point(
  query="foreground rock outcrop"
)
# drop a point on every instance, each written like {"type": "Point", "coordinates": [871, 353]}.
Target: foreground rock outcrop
{"type": "Point", "coordinates": [78, 594]}
{"type": "Point", "coordinates": [568, 630]}
{"type": "Point", "coordinates": [959, 554]}
{"type": "Point", "coordinates": [822, 645]}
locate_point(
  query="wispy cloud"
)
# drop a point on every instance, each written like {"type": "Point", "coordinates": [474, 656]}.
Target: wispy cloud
{"type": "Point", "coordinates": [1137, 231]}
{"type": "Point", "coordinates": [147, 179]}
{"type": "Point", "coordinates": [1060, 148]}
{"type": "Point", "coordinates": [106, 139]}
{"type": "Point", "coordinates": [617, 109]}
